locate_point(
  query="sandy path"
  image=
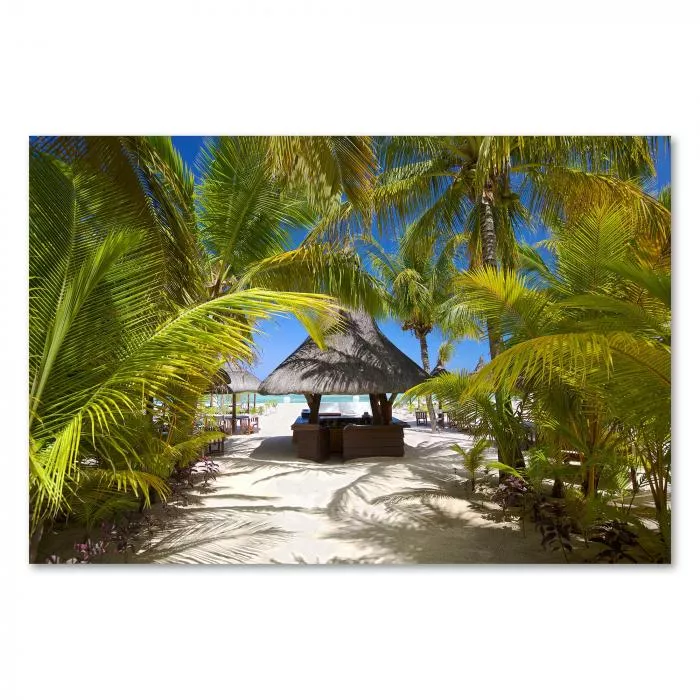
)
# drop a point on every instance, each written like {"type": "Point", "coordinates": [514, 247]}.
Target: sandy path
{"type": "Point", "coordinates": [268, 506]}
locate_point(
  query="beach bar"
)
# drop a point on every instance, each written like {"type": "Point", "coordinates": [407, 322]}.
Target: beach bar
{"type": "Point", "coordinates": [358, 359]}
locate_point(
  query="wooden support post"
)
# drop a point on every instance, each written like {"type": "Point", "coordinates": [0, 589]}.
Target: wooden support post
{"type": "Point", "coordinates": [314, 401]}
{"type": "Point", "coordinates": [377, 417]}
{"type": "Point", "coordinates": [233, 414]}
{"type": "Point", "coordinates": [386, 406]}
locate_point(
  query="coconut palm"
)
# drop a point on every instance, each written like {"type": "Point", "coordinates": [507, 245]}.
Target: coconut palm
{"type": "Point", "coordinates": [149, 188]}
{"type": "Point", "coordinates": [245, 213]}
{"type": "Point", "coordinates": [254, 190]}
{"type": "Point", "coordinates": [122, 312]}
{"type": "Point", "coordinates": [475, 458]}
{"type": "Point", "coordinates": [418, 281]}
{"type": "Point", "coordinates": [326, 168]}
{"type": "Point", "coordinates": [587, 345]}
{"type": "Point", "coordinates": [488, 187]}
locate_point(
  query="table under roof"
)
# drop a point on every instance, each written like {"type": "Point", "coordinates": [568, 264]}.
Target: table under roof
{"type": "Point", "coordinates": [358, 359]}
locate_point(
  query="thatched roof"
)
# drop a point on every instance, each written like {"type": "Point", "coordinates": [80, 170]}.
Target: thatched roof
{"type": "Point", "coordinates": [359, 359]}
{"type": "Point", "coordinates": [438, 370]}
{"type": "Point", "coordinates": [233, 380]}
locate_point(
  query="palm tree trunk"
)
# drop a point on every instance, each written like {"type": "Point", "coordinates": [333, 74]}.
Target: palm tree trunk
{"type": "Point", "coordinates": [426, 366]}
{"type": "Point", "coordinates": [558, 488]}
{"type": "Point", "coordinates": [487, 231]}
{"type": "Point", "coordinates": [591, 474]}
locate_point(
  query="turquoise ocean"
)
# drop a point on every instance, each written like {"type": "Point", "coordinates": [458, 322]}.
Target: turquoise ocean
{"type": "Point", "coordinates": [288, 398]}
{"type": "Point", "coordinates": [357, 404]}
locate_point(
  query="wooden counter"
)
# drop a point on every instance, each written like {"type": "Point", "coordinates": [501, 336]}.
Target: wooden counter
{"type": "Point", "coordinates": [317, 441]}
{"type": "Point", "coordinates": [372, 441]}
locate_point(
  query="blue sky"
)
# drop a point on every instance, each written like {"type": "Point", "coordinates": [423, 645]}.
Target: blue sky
{"type": "Point", "coordinates": [279, 338]}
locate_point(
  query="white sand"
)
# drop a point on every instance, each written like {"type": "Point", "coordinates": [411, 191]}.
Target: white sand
{"type": "Point", "coordinates": [268, 506]}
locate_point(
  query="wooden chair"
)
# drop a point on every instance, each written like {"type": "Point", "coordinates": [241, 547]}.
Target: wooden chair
{"type": "Point", "coordinates": [250, 425]}
{"type": "Point", "coordinates": [216, 446]}
{"type": "Point", "coordinates": [421, 418]}
{"type": "Point", "coordinates": [569, 456]}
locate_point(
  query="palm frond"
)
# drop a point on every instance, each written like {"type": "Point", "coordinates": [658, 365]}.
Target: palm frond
{"type": "Point", "coordinates": [244, 214]}
{"type": "Point", "coordinates": [185, 350]}
{"type": "Point", "coordinates": [320, 268]}
{"type": "Point", "coordinates": [326, 166]}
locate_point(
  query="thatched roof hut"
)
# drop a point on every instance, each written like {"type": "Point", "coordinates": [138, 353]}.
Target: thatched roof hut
{"type": "Point", "coordinates": [358, 359]}
{"type": "Point", "coordinates": [233, 380]}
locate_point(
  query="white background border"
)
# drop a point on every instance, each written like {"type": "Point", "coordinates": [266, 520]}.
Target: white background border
{"type": "Point", "coordinates": [347, 67]}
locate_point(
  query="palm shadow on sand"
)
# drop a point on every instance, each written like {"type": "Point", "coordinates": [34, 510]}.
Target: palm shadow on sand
{"type": "Point", "coordinates": [399, 512]}
{"type": "Point", "coordinates": [430, 536]}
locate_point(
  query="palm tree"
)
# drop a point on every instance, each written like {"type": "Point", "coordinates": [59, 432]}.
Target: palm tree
{"type": "Point", "coordinates": [475, 458]}
{"type": "Point", "coordinates": [487, 187]}
{"type": "Point", "coordinates": [254, 190]}
{"type": "Point", "coordinates": [122, 312]}
{"type": "Point", "coordinates": [587, 345]}
{"type": "Point", "coordinates": [418, 281]}
{"type": "Point", "coordinates": [244, 214]}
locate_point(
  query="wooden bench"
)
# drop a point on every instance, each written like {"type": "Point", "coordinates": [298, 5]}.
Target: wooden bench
{"type": "Point", "coordinates": [372, 441]}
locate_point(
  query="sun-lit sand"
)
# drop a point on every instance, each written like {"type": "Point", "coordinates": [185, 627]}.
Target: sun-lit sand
{"type": "Point", "coordinates": [268, 506]}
